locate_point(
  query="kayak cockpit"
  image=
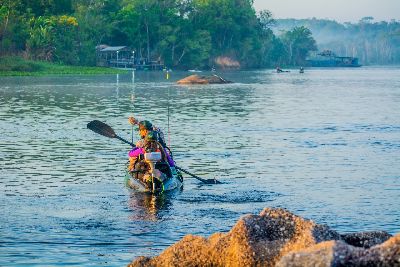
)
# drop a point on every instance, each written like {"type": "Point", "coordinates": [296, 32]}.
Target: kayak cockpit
{"type": "Point", "coordinates": [153, 174]}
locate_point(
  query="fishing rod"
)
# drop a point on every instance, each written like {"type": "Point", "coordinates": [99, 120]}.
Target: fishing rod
{"type": "Point", "coordinates": [133, 100]}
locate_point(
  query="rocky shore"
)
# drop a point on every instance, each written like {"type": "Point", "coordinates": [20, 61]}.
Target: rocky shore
{"type": "Point", "coordinates": [276, 237]}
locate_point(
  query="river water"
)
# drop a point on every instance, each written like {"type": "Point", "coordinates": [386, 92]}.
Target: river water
{"type": "Point", "coordinates": [324, 144]}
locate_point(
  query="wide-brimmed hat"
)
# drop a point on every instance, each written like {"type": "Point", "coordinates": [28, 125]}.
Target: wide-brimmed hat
{"type": "Point", "coordinates": [145, 125]}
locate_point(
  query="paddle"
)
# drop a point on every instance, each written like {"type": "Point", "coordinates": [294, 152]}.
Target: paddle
{"type": "Point", "coordinates": [206, 181]}
{"type": "Point", "coordinates": [105, 130]}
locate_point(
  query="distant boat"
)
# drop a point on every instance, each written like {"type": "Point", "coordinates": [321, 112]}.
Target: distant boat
{"type": "Point", "coordinates": [279, 70]}
{"type": "Point", "coordinates": [328, 58]}
{"type": "Point", "coordinates": [196, 70]}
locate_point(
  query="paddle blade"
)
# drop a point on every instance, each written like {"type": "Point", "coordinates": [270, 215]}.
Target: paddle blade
{"type": "Point", "coordinates": [206, 181]}
{"type": "Point", "coordinates": [101, 128]}
{"type": "Point", "coordinates": [213, 181]}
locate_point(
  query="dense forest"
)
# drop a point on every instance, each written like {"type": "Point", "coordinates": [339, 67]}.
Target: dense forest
{"type": "Point", "coordinates": [372, 42]}
{"type": "Point", "coordinates": [184, 33]}
{"type": "Point", "coordinates": [179, 33]}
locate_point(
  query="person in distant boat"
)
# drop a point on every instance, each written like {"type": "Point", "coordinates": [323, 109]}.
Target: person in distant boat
{"type": "Point", "coordinates": [279, 70]}
{"type": "Point", "coordinates": [301, 70]}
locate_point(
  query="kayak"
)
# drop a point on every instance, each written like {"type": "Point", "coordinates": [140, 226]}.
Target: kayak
{"type": "Point", "coordinates": [157, 177]}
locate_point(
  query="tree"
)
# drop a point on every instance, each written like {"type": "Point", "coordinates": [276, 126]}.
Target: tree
{"type": "Point", "coordinates": [233, 26]}
{"type": "Point", "coordinates": [53, 39]}
{"type": "Point", "coordinates": [298, 43]}
{"type": "Point", "coordinates": [179, 33]}
{"type": "Point", "coordinates": [266, 20]}
{"type": "Point", "coordinates": [96, 19]}
{"type": "Point", "coordinates": [13, 27]}
{"type": "Point", "coordinates": [372, 42]}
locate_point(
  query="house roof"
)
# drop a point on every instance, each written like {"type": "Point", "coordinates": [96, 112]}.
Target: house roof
{"type": "Point", "coordinates": [113, 48]}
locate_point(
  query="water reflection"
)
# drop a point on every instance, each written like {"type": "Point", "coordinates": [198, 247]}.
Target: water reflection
{"type": "Point", "coordinates": [133, 89]}
{"type": "Point", "coordinates": [149, 207]}
{"type": "Point", "coordinates": [117, 87]}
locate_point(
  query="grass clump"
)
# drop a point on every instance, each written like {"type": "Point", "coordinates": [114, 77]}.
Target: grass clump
{"type": "Point", "coordinates": [17, 66]}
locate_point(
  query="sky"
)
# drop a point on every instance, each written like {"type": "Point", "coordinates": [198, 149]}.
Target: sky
{"type": "Point", "coordinates": [339, 10]}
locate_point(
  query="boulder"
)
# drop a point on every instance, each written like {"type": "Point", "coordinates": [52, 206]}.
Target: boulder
{"type": "Point", "coordinates": [339, 253]}
{"type": "Point", "coordinates": [277, 237]}
{"type": "Point", "coordinates": [197, 79]}
{"type": "Point", "coordinates": [329, 253]}
{"type": "Point", "coordinates": [255, 240]}
{"type": "Point", "coordinates": [366, 239]}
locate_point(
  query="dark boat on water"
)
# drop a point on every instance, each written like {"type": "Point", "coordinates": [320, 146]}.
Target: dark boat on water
{"type": "Point", "coordinates": [328, 58]}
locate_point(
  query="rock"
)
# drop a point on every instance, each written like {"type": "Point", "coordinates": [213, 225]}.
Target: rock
{"type": "Point", "coordinates": [329, 253]}
{"type": "Point", "coordinates": [227, 63]}
{"type": "Point", "coordinates": [142, 262]}
{"type": "Point", "coordinates": [339, 253]}
{"type": "Point", "coordinates": [366, 239]}
{"type": "Point", "coordinates": [253, 241]}
{"type": "Point", "coordinates": [385, 254]}
{"type": "Point", "coordinates": [277, 237]}
{"type": "Point", "coordinates": [197, 79]}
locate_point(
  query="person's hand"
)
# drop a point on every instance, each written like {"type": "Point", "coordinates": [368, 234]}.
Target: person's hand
{"type": "Point", "coordinates": [132, 120]}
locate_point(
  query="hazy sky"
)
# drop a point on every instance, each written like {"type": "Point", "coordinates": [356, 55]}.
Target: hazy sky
{"type": "Point", "coordinates": [340, 10]}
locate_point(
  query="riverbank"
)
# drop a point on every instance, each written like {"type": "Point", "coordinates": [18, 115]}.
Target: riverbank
{"type": "Point", "coordinates": [277, 237]}
{"type": "Point", "coordinates": [17, 66]}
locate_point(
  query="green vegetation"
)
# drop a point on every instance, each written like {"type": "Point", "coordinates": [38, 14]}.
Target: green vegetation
{"type": "Point", "coordinates": [299, 41]}
{"type": "Point", "coordinates": [179, 33]}
{"type": "Point", "coordinates": [372, 42]}
{"type": "Point", "coordinates": [16, 66]}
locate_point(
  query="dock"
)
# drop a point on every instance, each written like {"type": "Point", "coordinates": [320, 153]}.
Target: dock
{"type": "Point", "coordinates": [124, 57]}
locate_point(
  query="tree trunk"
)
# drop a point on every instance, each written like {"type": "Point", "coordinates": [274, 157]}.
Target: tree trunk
{"type": "Point", "coordinates": [148, 42]}
{"type": "Point", "coordinates": [180, 58]}
{"type": "Point", "coordinates": [173, 53]}
{"type": "Point", "coordinates": [3, 32]}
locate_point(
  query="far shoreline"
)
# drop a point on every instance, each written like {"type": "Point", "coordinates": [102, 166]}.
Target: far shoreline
{"type": "Point", "coordinates": [17, 66]}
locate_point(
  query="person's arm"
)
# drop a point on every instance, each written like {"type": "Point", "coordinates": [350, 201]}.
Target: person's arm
{"type": "Point", "coordinates": [136, 152]}
{"type": "Point", "coordinates": [133, 121]}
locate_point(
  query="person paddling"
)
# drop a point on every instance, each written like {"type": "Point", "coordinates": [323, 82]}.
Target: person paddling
{"type": "Point", "coordinates": [147, 131]}
{"type": "Point", "coordinates": [144, 128]}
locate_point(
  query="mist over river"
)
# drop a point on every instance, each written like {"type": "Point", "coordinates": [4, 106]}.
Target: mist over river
{"type": "Point", "coordinates": [324, 144]}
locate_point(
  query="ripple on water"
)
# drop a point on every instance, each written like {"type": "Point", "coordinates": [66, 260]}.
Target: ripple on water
{"type": "Point", "coordinates": [252, 196]}
{"type": "Point", "coordinates": [324, 145]}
